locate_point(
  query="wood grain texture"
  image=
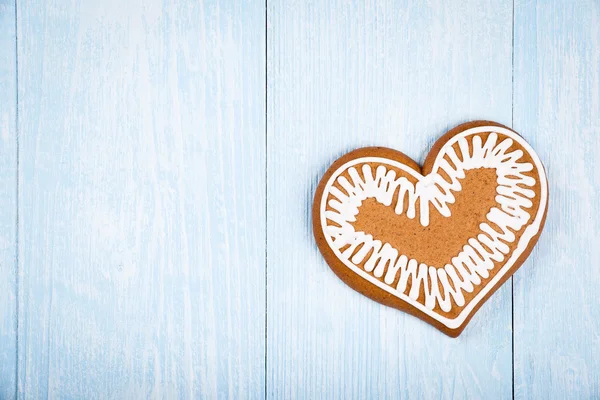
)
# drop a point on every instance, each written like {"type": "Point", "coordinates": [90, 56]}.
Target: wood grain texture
{"type": "Point", "coordinates": [142, 183]}
{"type": "Point", "coordinates": [342, 75]}
{"type": "Point", "coordinates": [557, 107]}
{"type": "Point", "coordinates": [8, 201]}
{"type": "Point", "coordinates": [142, 187]}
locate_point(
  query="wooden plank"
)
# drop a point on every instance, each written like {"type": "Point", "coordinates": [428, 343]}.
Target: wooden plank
{"type": "Point", "coordinates": [342, 75]}
{"type": "Point", "coordinates": [8, 199]}
{"type": "Point", "coordinates": [142, 199]}
{"type": "Point", "coordinates": [557, 106]}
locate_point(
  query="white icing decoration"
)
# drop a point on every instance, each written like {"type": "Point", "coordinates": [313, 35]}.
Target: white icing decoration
{"type": "Point", "coordinates": [443, 286]}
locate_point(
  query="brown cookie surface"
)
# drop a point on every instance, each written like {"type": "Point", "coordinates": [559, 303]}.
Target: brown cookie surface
{"type": "Point", "coordinates": [435, 241]}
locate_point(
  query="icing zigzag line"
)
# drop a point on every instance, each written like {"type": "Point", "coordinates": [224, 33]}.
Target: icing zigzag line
{"type": "Point", "coordinates": [476, 258]}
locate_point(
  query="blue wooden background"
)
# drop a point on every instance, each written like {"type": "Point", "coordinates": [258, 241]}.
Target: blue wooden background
{"type": "Point", "coordinates": [157, 164]}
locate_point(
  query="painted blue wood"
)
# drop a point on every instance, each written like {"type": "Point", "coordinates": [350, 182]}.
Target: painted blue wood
{"type": "Point", "coordinates": [142, 186]}
{"type": "Point", "coordinates": [142, 192]}
{"type": "Point", "coordinates": [557, 107]}
{"type": "Point", "coordinates": [342, 75]}
{"type": "Point", "coordinates": [8, 201]}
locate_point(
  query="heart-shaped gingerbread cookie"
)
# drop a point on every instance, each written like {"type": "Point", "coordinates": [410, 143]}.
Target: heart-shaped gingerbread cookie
{"type": "Point", "coordinates": [436, 241]}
